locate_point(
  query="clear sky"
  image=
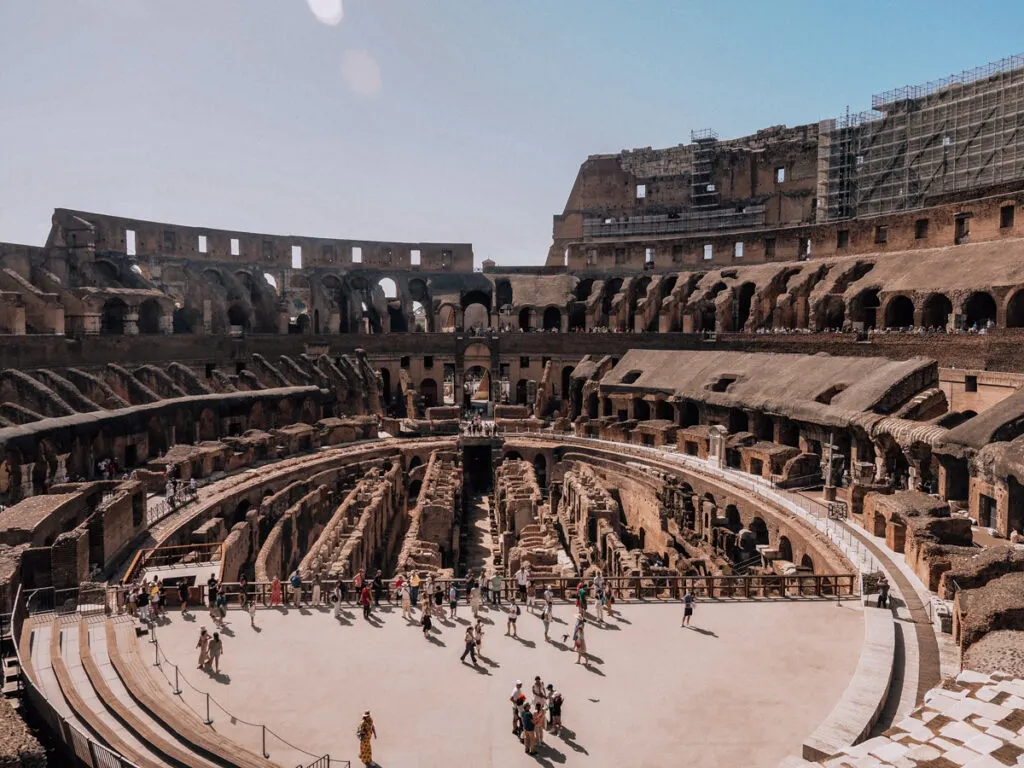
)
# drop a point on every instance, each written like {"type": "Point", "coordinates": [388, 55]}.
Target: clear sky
{"type": "Point", "coordinates": [449, 120]}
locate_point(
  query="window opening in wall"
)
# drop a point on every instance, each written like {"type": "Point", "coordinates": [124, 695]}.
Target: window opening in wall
{"type": "Point", "coordinates": [1006, 216]}
{"type": "Point", "coordinates": [504, 370]}
{"type": "Point", "coordinates": [446, 259]}
{"type": "Point", "coordinates": [271, 281]}
{"type": "Point", "coordinates": [708, 252]}
{"type": "Point", "coordinates": [329, 254]}
{"type": "Point", "coordinates": [723, 383]}
{"type": "Point", "coordinates": [428, 362]}
{"type": "Point", "coordinates": [710, 187]}
{"type": "Point", "coordinates": [970, 383]}
{"type": "Point", "coordinates": [963, 229]}
{"type": "Point", "coordinates": [769, 248]}
{"type": "Point", "coordinates": [404, 362]}
{"type": "Point", "coordinates": [388, 255]}
{"type": "Point", "coordinates": [414, 257]}
{"type": "Point", "coordinates": [268, 250]}
{"type": "Point", "coordinates": [843, 238]}
{"type": "Point", "coordinates": [620, 255]}
{"type": "Point", "coordinates": [677, 254]}
{"type": "Point", "coordinates": [648, 255]}
{"type": "Point", "coordinates": [170, 240]}
{"type": "Point", "coordinates": [737, 250]}
{"type": "Point", "coordinates": [921, 229]}
{"type": "Point", "coordinates": [805, 247]}
{"type": "Point", "coordinates": [565, 257]}
{"type": "Point", "coordinates": [202, 243]}
{"type": "Point", "coordinates": [591, 257]}
{"type": "Point", "coordinates": [780, 175]}
{"type": "Point", "coordinates": [357, 254]}
{"type": "Point", "coordinates": [524, 362]}
{"type": "Point", "coordinates": [239, 367]}
{"type": "Point", "coordinates": [641, 191]}
{"type": "Point", "coordinates": [296, 257]}
{"type": "Point", "coordinates": [210, 368]}
{"type": "Point", "coordinates": [129, 242]}
{"type": "Point", "coordinates": [631, 376]}
{"type": "Point", "coordinates": [235, 251]}
{"type": "Point", "coordinates": [881, 234]}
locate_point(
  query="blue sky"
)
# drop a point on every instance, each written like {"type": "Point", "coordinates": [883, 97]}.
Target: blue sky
{"type": "Point", "coordinates": [461, 120]}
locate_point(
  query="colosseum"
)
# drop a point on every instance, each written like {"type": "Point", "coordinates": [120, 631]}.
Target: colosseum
{"type": "Point", "coordinates": [770, 388]}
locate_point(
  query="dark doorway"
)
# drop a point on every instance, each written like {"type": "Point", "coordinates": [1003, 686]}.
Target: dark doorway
{"type": "Point", "coordinates": [477, 468]}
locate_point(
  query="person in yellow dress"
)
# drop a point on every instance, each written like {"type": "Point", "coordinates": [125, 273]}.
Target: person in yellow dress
{"type": "Point", "coordinates": [365, 733]}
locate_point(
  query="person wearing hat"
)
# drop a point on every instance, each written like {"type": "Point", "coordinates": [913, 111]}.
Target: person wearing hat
{"type": "Point", "coordinates": [517, 698]}
{"type": "Point", "coordinates": [366, 733]}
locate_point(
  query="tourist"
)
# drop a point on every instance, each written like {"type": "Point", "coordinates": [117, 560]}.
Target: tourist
{"type": "Point", "coordinates": [475, 601]}
{"type": "Point", "coordinates": [513, 614]}
{"type": "Point", "coordinates": [549, 693]}
{"type": "Point", "coordinates": [425, 603]}
{"type": "Point", "coordinates": [539, 696]}
{"type": "Point", "coordinates": [531, 595]}
{"type": "Point", "coordinates": [549, 599]}
{"type": "Point", "coordinates": [406, 601]}
{"type": "Point", "coordinates": [518, 698]}
{"type": "Point", "coordinates": [478, 635]}
{"type": "Point", "coordinates": [216, 649]}
{"type": "Point", "coordinates": [215, 595]}
{"type": "Point", "coordinates": [157, 597]}
{"type": "Point", "coordinates": [469, 639]}
{"type": "Point", "coordinates": [497, 587]}
{"type": "Point", "coordinates": [317, 590]}
{"type": "Point", "coordinates": [609, 601]}
{"type": "Point", "coordinates": [275, 591]}
{"type": "Point", "coordinates": [526, 721]}
{"type": "Point", "coordinates": [222, 608]}
{"type": "Point", "coordinates": [555, 708]}
{"type": "Point", "coordinates": [425, 621]}
{"type": "Point", "coordinates": [453, 599]}
{"type": "Point", "coordinates": [883, 592]}
{"type": "Point", "coordinates": [336, 599]}
{"type": "Point", "coordinates": [295, 582]}
{"type": "Point", "coordinates": [183, 596]}
{"type": "Point", "coordinates": [211, 590]}
{"type": "Point", "coordinates": [142, 601]}
{"type": "Point", "coordinates": [581, 599]}
{"type": "Point", "coordinates": [485, 585]}
{"type": "Point", "coordinates": [378, 588]}
{"type": "Point", "coordinates": [365, 601]}
{"type": "Point", "coordinates": [522, 576]}
{"type": "Point", "coordinates": [243, 591]}
{"type": "Point", "coordinates": [366, 732]}
{"type": "Point", "coordinates": [133, 600]}
{"type": "Point", "coordinates": [545, 616]}
{"type": "Point", "coordinates": [252, 614]}
{"type": "Point", "coordinates": [470, 583]}
{"type": "Point", "coordinates": [539, 723]}
{"type": "Point", "coordinates": [204, 647]}
{"type": "Point", "coordinates": [579, 642]}
{"type": "Point", "coordinates": [357, 582]}
{"type": "Point", "coordinates": [687, 609]}
{"type": "Point", "coordinates": [439, 602]}
{"type": "Point", "coordinates": [414, 589]}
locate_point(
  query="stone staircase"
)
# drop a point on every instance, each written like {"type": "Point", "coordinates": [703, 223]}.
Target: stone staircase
{"type": "Point", "coordinates": [92, 672]}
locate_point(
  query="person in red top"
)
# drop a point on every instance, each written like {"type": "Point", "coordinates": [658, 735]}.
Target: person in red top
{"type": "Point", "coordinates": [365, 601]}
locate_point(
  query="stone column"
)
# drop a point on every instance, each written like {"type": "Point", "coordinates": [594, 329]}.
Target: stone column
{"type": "Point", "coordinates": [27, 488]}
{"type": "Point", "coordinates": [131, 321]}
{"type": "Point", "coordinates": [716, 448]}
{"type": "Point", "coordinates": [61, 473]}
{"type": "Point", "coordinates": [166, 324]}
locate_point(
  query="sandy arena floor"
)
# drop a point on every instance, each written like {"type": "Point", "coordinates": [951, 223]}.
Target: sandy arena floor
{"type": "Point", "coordinates": [743, 687]}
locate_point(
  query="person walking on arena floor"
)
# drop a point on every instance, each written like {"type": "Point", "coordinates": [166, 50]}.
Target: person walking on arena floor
{"type": "Point", "coordinates": [366, 733]}
{"type": "Point", "coordinates": [453, 600]}
{"type": "Point", "coordinates": [470, 641]}
{"type": "Point", "coordinates": [365, 600]}
{"type": "Point", "coordinates": [513, 614]}
{"type": "Point", "coordinates": [425, 621]}
{"type": "Point", "coordinates": [687, 609]}
{"type": "Point", "coordinates": [404, 592]}
{"type": "Point", "coordinates": [204, 647]}
{"type": "Point", "coordinates": [183, 596]}
{"type": "Point", "coordinates": [579, 642]}
{"type": "Point", "coordinates": [518, 698]}
{"type": "Point", "coordinates": [216, 649]}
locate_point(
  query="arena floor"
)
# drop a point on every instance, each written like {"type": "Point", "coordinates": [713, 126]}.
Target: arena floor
{"type": "Point", "coordinates": [743, 687]}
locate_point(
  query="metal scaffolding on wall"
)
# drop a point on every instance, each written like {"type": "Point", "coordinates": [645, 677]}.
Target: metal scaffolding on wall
{"type": "Point", "coordinates": [921, 142]}
{"type": "Point", "coordinates": [703, 193]}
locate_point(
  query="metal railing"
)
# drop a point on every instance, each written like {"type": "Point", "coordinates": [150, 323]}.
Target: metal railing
{"type": "Point", "coordinates": [90, 752]}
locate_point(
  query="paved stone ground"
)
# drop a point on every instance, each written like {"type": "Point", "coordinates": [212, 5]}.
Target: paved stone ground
{"type": "Point", "coordinates": [744, 687]}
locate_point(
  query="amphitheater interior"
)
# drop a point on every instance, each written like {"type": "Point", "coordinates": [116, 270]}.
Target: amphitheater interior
{"type": "Point", "coordinates": [738, 375]}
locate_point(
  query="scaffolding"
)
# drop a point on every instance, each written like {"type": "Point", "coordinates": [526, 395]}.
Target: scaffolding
{"type": "Point", "coordinates": [921, 143]}
{"type": "Point", "coordinates": [704, 193]}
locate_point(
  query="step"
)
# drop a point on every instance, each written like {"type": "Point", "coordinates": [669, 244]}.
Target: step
{"type": "Point", "coordinates": [82, 699]}
{"type": "Point", "coordinates": [165, 708]}
{"type": "Point", "coordinates": [118, 701]}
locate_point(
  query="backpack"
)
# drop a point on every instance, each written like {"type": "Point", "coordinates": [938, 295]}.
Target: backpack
{"type": "Point", "coordinates": [518, 611]}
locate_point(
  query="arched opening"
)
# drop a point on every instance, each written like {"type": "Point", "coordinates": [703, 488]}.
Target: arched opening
{"type": "Point", "coordinates": [521, 389]}
{"type": "Point", "coordinates": [807, 562]}
{"type": "Point", "coordinates": [707, 317]}
{"type": "Point", "coordinates": [524, 319]}
{"type": "Point", "coordinates": [503, 293]}
{"type": "Point", "coordinates": [238, 317]}
{"type": "Point", "coordinates": [732, 518]}
{"type": "Point", "coordinates": [759, 529]}
{"type": "Point", "coordinates": [113, 317]}
{"type": "Point", "coordinates": [641, 410]}
{"type": "Point", "coordinates": [744, 296]}
{"type": "Point", "coordinates": [476, 316]}
{"type": "Point", "coordinates": [512, 456]}
{"type": "Point", "coordinates": [936, 311]}
{"type": "Point", "coordinates": [1015, 311]}
{"type": "Point", "coordinates": [899, 312]}
{"type": "Point", "coordinates": [476, 388]}
{"type": "Point", "coordinates": [566, 381]}
{"type": "Point", "coordinates": [428, 393]}
{"type": "Point", "coordinates": [240, 512]}
{"type": "Point", "coordinates": [979, 309]}
{"type": "Point", "coordinates": [414, 493]}
{"type": "Point", "coordinates": [420, 318]}
{"type": "Point", "coordinates": [540, 469]}
{"type": "Point", "coordinates": [316, 321]}
{"type": "Point", "coordinates": [577, 316]}
{"type": "Point", "coordinates": [184, 320]}
{"type": "Point", "coordinates": [611, 289]}
{"type": "Point", "coordinates": [552, 319]}
{"type": "Point", "coordinates": [149, 316]}
{"type": "Point", "coordinates": [785, 549]}
{"type": "Point", "coordinates": [663, 410]}
{"type": "Point", "coordinates": [583, 288]}
{"type": "Point", "coordinates": [864, 308]}
{"type": "Point", "coordinates": [300, 324]}
{"type": "Point", "coordinates": [385, 379]}
{"type": "Point", "coordinates": [414, 462]}
{"type": "Point", "coordinates": [833, 313]}
{"type": "Point", "coordinates": [689, 414]}
{"type": "Point", "coordinates": [592, 405]}
{"type": "Point", "coordinates": [396, 317]}
{"type": "Point", "coordinates": [446, 318]}
{"type": "Point", "coordinates": [389, 287]}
